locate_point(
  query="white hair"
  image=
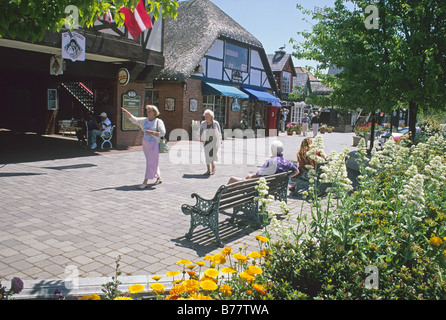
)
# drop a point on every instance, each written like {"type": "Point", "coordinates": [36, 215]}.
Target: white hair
{"type": "Point", "coordinates": [210, 112]}
{"type": "Point", "coordinates": [276, 147]}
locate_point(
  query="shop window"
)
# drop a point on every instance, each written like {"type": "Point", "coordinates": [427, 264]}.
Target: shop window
{"type": "Point", "coordinates": [151, 97]}
{"type": "Point", "coordinates": [253, 114]}
{"type": "Point", "coordinates": [218, 105]}
{"type": "Point", "coordinates": [246, 114]}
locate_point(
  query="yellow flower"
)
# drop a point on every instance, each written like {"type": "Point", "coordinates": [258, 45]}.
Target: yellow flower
{"type": "Point", "coordinates": [246, 276]}
{"type": "Point", "coordinates": [183, 261]}
{"type": "Point", "coordinates": [176, 290]}
{"type": "Point", "coordinates": [255, 270]}
{"type": "Point", "coordinates": [191, 285]}
{"type": "Point", "coordinates": [208, 285]}
{"type": "Point", "coordinates": [218, 259]}
{"type": "Point", "coordinates": [254, 255]}
{"type": "Point", "coordinates": [225, 290]}
{"type": "Point", "coordinates": [259, 288]}
{"type": "Point", "coordinates": [156, 278]}
{"type": "Point", "coordinates": [208, 257]}
{"type": "Point", "coordinates": [228, 270]}
{"type": "Point", "coordinates": [199, 296]}
{"type": "Point", "coordinates": [211, 272]}
{"type": "Point", "coordinates": [262, 239]}
{"type": "Point", "coordinates": [172, 273]}
{"type": "Point", "coordinates": [191, 266]}
{"type": "Point", "coordinates": [90, 297]}
{"type": "Point", "coordinates": [201, 263]}
{"type": "Point", "coordinates": [123, 298]}
{"type": "Point", "coordinates": [191, 273]}
{"type": "Point", "coordinates": [240, 257]}
{"type": "Point", "coordinates": [435, 241]}
{"type": "Point", "coordinates": [135, 288]}
{"type": "Point", "coordinates": [208, 278]}
{"type": "Point", "coordinates": [226, 251]}
{"type": "Point", "coordinates": [158, 287]}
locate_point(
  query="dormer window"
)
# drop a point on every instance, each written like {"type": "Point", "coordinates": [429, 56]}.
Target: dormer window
{"type": "Point", "coordinates": [286, 82]}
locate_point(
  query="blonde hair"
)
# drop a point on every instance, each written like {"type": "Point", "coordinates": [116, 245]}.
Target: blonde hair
{"type": "Point", "coordinates": [302, 157]}
{"type": "Point", "coordinates": [154, 109]}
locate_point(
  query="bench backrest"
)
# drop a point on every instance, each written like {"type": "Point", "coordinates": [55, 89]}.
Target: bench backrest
{"type": "Point", "coordinates": [244, 191]}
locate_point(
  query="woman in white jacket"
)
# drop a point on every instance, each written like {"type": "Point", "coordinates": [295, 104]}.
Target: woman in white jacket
{"type": "Point", "coordinates": [210, 135]}
{"type": "Point", "coordinates": [153, 129]}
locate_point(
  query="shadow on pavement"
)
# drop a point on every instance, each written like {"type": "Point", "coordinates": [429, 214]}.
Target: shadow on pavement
{"type": "Point", "coordinates": [30, 147]}
{"type": "Point", "coordinates": [203, 240]}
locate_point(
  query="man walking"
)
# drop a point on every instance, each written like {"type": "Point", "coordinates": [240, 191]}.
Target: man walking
{"type": "Point", "coordinates": [315, 122]}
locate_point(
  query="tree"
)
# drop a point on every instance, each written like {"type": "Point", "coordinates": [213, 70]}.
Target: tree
{"type": "Point", "coordinates": [29, 20]}
{"type": "Point", "coordinates": [397, 59]}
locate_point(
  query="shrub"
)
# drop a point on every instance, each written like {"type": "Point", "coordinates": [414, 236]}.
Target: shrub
{"type": "Point", "coordinates": [395, 221]}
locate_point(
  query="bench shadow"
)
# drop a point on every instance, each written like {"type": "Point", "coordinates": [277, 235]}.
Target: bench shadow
{"type": "Point", "coordinates": [203, 240]}
{"type": "Point", "coordinates": [195, 176]}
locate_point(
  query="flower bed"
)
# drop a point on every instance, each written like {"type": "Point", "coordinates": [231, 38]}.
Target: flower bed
{"type": "Point", "coordinates": [384, 240]}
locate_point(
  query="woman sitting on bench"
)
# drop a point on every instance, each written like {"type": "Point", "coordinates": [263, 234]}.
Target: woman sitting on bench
{"type": "Point", "coordinates": [276, 164]}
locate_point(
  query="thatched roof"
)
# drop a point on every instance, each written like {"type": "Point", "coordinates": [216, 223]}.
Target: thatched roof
{"type": "Point", "coordinates": [190, 36]}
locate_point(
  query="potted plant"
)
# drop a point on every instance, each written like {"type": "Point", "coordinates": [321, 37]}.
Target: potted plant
{"type": "Point", "coordinates": [330, 129]}
{"type": "Point", "coordinates": [323, 128]}
{"type": "Point", "coordinates": [290, 129]}
{"type": "Point", "coordinates": [298, 128]}
{"type": "Point", "coordinates": [363, 131]}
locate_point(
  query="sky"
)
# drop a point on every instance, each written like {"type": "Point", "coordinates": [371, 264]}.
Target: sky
{"type": "Point", "coordinates": [273, 23]}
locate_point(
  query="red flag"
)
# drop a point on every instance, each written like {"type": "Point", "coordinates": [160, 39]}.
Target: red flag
{"type": "Point", "coordinates": [136, 21]}
{"type": "Point", "coordinates": [107, 17]}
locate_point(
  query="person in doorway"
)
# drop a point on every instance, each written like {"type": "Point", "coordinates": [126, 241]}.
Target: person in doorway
{"type": "Point", "coordinates": [315, 122]}
{"type": "Point", "coordinates": [284, 118]}
{"type": "Point", "coordinates": [88, 124]}
{"type": "Point", "coordinates": [153, 129]}
{"type": "Point", "coordinates": [276, 164]}
{"type": "Point", "coordinates": [305, 122]}
{"type": "Point", "coordinates": [104, 125]}
{"type": "Point", "coordinates": [210, 135]}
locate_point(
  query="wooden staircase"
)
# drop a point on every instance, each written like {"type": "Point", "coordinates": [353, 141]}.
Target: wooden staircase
{"type": "Point", "coordinates": [81, 93]}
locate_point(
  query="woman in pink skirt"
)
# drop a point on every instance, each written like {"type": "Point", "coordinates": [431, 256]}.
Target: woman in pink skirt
{"type": "Point", "coordinates": [153, 129]}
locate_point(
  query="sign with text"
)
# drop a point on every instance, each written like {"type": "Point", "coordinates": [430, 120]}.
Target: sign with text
{"type": "Point", "coordinates": [73, 46]}
{"type": "Point", "coordinates": [132, 102]}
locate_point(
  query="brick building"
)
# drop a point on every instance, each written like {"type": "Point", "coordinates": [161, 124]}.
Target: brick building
{"type": "Point", "coordinates": [211, 62]}
{"type": "Point", "coordinates": [40, 87]}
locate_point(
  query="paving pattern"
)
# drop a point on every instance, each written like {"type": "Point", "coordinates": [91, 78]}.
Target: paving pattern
{"type": "Point", "coordinates": [81, 212]}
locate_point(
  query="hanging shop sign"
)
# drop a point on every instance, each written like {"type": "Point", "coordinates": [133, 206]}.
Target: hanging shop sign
{"type": "Point", "coordinates": [56, 65]}
{"type": "Point", "coordinates": [73, 46]}
{"type": "Point", "coordinates": [123, 76]}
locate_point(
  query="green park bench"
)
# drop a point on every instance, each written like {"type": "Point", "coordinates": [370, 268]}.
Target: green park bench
{"type": "Point", "coordinates": [239, 197]}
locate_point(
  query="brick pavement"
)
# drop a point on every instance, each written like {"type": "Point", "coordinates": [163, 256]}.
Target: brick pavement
{"type": "Point", "coordinates": [73, 216]}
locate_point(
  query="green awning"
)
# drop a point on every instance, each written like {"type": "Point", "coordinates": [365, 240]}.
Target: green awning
{"type": "Point", "coordinates": [213, 89]}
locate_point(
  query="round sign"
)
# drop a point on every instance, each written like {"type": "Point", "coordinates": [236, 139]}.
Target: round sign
{"type": "Point", "coordinates": [123, 76]}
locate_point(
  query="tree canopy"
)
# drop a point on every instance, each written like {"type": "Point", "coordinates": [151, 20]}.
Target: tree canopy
{"type": "Point", "coordinates": [390, 53]}
{"type": "Point", "coordinates": [29, 20]}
